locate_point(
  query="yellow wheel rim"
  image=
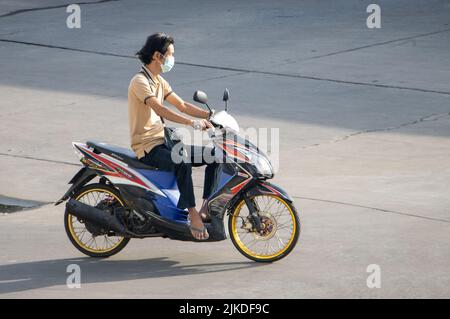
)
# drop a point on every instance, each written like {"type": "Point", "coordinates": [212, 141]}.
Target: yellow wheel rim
{"type": "Point", "coordinates": [280, 222]}
{"type": "Point", "coordinates": [79, 232]}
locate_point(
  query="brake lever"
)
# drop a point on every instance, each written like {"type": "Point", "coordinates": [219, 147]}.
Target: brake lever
{"type": "Point", "coordinates": [211, 113]}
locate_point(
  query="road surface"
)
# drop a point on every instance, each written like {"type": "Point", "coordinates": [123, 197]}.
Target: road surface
{"type": "Point", "coordinates": [364, 125]}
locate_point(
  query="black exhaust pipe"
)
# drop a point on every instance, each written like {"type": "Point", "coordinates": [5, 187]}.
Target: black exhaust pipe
{"type": "Point", "coordinates": [95, 216]}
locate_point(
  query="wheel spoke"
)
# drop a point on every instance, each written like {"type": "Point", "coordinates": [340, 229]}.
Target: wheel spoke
{"type": "Point", "coordinates": [95, 241]}
{"type": "Point", "coordinates": [279, 241]}
{"type": "Point", "coordinates": [82, 235]}
{"type": "Point", "coordinates": [285, 224]}
{"type": "Point", "coordinates": [88, 243]}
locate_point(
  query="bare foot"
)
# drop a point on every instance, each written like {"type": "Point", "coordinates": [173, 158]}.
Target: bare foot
{"type": "Point", "coordinates": [196, 226]}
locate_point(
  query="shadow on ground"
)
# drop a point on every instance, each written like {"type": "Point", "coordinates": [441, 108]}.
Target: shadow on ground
{"type": "Point", "coordinates": [16, 277]}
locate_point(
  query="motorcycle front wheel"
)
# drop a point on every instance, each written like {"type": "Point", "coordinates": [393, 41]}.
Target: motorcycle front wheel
{"type": "Point", "coordinates": [280, 233]}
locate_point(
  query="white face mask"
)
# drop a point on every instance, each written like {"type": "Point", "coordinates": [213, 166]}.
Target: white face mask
{"type": "Point", "coordinates": [168, 64]}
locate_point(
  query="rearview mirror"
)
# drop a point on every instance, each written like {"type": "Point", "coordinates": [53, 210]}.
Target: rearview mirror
{"type": "Point", "coordinates": [200, 97]}
{"type": "Point", "coordinates": [226, 95]}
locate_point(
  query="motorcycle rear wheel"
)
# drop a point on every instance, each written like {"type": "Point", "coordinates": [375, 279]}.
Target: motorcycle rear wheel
{"type": "Point", "coordinates": [77, 230]}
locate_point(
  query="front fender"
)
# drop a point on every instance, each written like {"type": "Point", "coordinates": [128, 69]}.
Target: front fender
{"type": "Point", "coordinates": [82, 177]}
{"type": "Point", "coordinates": [263, 187]}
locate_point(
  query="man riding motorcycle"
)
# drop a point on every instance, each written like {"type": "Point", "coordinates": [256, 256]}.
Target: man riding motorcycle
{"type": "Point", "coordinates": [146, 93]}
{"type": "Point", "coordinates": [147, 192]}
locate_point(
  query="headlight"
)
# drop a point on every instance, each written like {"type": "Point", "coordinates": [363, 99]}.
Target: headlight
{"type": "Point", "coordinates": [264, 167]}
{"type": "Point", "coordinates": [260, 161]}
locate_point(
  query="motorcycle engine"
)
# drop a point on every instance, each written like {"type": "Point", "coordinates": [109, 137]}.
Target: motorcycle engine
{"type": "Point", "coordinates": [139, 224]}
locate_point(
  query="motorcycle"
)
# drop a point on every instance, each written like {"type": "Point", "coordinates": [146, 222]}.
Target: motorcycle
{"type": "Point", "coordinates": [134, 200]}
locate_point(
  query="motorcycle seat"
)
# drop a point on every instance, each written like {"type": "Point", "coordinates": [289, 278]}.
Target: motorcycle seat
{"type": "Point", "coordinates": [121, 153]}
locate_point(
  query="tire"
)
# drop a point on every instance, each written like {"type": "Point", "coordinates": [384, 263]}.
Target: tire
{"type": "Point", "coordinates": [240, 246]}
{"type": "Point", "coordinates": [69, 220]}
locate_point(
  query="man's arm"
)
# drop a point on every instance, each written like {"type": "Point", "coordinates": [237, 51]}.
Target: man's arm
{"type": "Point", "coordinates": [166, 113]}
{"type": "Point", "coordinates": [186, 107]}
{"type": "Point", "coordinates": [146, 93]}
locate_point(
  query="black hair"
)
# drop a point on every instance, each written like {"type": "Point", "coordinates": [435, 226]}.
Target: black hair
{"type": "Point", "coordinates": [158, 42]}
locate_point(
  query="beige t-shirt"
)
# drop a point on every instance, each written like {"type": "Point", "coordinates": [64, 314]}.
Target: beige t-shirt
{"type": "Point", "coordinates": [146, 129]}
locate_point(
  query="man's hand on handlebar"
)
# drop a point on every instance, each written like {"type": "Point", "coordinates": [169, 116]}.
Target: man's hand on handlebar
{"type": "Point", "coordinates": [201, 124]}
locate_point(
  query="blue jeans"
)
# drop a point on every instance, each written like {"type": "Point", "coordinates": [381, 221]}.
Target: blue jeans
{"type": "Point", "coordinates": [160, 157]}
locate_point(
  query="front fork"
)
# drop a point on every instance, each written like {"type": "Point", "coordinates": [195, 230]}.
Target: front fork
{"type": "Point", "coordinates": [253, 209]}
{"type": "Point", "coordinates": [261, 188]}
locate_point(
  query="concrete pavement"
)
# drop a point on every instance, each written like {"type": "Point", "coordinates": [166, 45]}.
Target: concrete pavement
{"type": "Point", "coordinates": [364, 119]}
